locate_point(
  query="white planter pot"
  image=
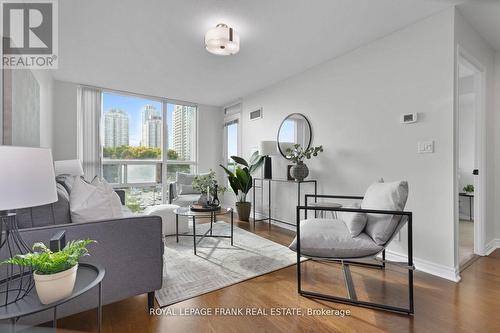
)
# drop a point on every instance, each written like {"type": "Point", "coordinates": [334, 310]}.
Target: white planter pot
{"type": "Point", "coordinates": [54, 287]}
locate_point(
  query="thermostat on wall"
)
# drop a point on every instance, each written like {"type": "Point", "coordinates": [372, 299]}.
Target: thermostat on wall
{"type": "Point", "coordinates": [408, 118]}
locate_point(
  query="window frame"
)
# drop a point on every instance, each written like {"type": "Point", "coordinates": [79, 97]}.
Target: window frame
{"type": "Point", "coordinates": [164, 162]}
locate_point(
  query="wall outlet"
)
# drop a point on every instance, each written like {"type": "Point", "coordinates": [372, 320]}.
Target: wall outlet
{"type": "Point", "coordinates": [425, 147]}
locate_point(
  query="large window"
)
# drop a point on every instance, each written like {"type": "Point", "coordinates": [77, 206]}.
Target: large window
{"type": "Point", "coordinates": [145, 141]}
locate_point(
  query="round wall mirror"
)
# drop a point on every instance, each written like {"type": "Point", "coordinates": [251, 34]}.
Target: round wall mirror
{"type": "Point", "coordinates": [294, 129]}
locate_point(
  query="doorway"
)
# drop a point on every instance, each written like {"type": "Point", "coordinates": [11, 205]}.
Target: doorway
{"type": "Point", "coordinates": [470, 129]}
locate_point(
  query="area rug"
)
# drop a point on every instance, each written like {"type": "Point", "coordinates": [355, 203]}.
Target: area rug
{"type": "Point", "coordinates": [217, 263]}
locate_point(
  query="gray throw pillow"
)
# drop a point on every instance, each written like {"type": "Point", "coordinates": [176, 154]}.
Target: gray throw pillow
{"type": "Point", "coordinates": [355, 222]}
{"type": "Point", "coordinates": [384, 196]}
{"type": "Point", "coordinates": [183, 178]}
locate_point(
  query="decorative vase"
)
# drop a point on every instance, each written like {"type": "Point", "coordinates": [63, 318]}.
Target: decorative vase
{"type": "Point", "coordinates": [299, 171]}
{"type": "Point", "coordinates": [54, 287]}
{"type": "Point", "coordinates": [203, 200]}
{"type": "Point", "coordinates": [243, 209]}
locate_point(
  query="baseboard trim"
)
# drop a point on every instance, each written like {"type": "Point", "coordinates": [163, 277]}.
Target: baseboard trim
{"type": "Point", "coordinates": [445, 272]}
{"type": "Point", "coordinates": [491, 246]}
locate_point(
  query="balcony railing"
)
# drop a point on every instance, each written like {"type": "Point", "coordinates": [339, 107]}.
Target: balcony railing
{"type": "Point", "coordinates": [145, 181]}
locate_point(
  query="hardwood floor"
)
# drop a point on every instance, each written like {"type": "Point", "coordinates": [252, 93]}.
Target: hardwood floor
{"type": "Point", "coordinates": [440, 305]}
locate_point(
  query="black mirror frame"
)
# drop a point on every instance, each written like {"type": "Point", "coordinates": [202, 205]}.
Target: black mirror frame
{"type": "Point", "coordinates": [278, 136]}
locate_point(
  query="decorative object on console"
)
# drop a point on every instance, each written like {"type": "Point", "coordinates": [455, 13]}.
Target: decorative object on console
{"type": "Point", "coordinates": [469, 188]}
{"type": "Point", "coordinates": [222, 40]}
{"type": "Point", "coordinates": [268, 149]}
{"type": "Point", "coordinates": [27, 179]}
{"type": "Point", "coordinates": [54, 272]}
{"type": "Point", "coordinates": [288, 175]}
{"type": "Point", "coordinates": [241, 181]}
{"type": "Point", "coordinates": [297, 155]}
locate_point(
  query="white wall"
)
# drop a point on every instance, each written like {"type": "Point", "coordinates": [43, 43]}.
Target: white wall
{"type": "Point", "coordinates": [496, 137]}
{"type": "Point", "coordinates": [65, 102]}
{"type": "Point", "coordinates": [470, 41]}
{"type": "Point", "coordinates": [354, 103]}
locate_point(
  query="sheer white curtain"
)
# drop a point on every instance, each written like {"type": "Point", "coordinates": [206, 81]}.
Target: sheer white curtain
{"type": "Point", "coordinates": [89, 131]}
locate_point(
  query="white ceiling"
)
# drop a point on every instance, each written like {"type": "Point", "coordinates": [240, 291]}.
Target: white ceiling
{"type": "Point", "coordinates": [156, 47]}
{"type": "Point", "coordinates": [484, 16]}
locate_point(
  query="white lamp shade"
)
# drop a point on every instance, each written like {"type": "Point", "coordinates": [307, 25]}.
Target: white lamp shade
{"type": "Point", "coordinates": [268, 148]}
{"type": "Point", "coordinates": [26, 177]}
{"type": "Point", "coordinates": [69, 167]}
{"type": "Point", "coordinates": [222, 40]}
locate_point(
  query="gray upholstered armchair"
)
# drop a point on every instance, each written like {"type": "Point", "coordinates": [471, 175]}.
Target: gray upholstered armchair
{"type": "Point", "coordinates": [181, 192]}
{"type": "Point", "coordinates": [360, 232]}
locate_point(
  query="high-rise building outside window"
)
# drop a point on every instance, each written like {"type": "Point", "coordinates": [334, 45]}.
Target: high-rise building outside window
{"type": "Point", "coordinates": [145, 142]}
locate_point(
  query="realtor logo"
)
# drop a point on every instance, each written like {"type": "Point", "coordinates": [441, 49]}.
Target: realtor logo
{"type": "Point", "coordinates": [29, 34]}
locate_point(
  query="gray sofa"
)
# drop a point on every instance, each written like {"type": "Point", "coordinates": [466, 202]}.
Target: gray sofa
{"type": "Point", "coordinates": [130, 249]}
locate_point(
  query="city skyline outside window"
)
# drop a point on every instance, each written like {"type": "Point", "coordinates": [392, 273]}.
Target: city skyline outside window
{"type": "Point", "coordinates": [133, 136]}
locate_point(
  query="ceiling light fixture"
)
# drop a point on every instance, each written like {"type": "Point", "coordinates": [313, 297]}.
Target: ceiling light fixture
{"type": "Point", "coordinates": [222, 40]}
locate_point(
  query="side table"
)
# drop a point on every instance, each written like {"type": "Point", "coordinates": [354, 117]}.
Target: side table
{"type": "Point", "coordinates": [88, 277]}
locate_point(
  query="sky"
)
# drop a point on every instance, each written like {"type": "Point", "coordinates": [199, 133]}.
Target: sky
{"type": "Point", "coordinates": [133, 105]}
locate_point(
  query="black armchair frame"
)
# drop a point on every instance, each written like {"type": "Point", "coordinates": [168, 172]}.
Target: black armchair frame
{"type": "Point", "coordinates": [352, 298]}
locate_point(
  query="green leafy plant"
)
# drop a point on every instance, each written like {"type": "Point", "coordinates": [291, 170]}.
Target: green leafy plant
{"type": "Point", "coordinates": [202, 182]}
{"type": "Point", "coordinates": [469, 188]}
{"type": "Point", "coordinates": [297, 154]}
{"type": "Point", "coordinates": [43, 261]}
{"type": "Point", "coordinates": [240, 180]}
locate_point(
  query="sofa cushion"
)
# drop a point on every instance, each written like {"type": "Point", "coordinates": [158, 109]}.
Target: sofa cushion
{"type": "Point", "coordinates": [330, 238]}
{"type": "Point", "coordinates": [95, 201]}
{"type": "Point", "coordinates": [51, 214]}
{"type": "Point", "coordinates": [384, 196]}
{"type": "Point", "coordinates": [355, 222]}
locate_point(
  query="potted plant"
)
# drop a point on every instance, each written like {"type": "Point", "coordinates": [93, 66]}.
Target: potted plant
{"type": "Point", "coordinates": [54, 272]}
{"type": "Point", "coordinates": [297, 154]}
{"type": "Point", "coordinates": [207, 184]}
{"type": "Point", "coordinates": [241, 181]}
{"type": "Point", "coordinates": [469, 188]}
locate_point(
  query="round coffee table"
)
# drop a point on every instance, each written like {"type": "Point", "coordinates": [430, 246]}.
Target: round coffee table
{"type": "Point", "coordinates": [186, 211]}
{"type": "Point", "coordinates": [88, 277]}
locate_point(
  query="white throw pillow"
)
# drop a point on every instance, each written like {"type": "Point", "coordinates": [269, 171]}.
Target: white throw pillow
{"type": "Point", "coordinates": [355, 222]}
{"type": "Point", "coordinates": [92, 202]}
{"type": "Point", "coordinates": [384, 196]}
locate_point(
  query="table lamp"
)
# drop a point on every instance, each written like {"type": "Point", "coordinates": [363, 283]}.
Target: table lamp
{"type": "Point", "coordinates": [26, 180]}
{"type": "Point", "coordinates": [268, 149]}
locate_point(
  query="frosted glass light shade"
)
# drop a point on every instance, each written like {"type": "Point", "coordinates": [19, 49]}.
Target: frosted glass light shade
{"type": "Point", "coordinates": [69, 167]}
{"type": "Point", "coordinates": [26, 177]}
{"type": "Point", "coordinates": [222, 40]}
{"type": "Point", "coordinates": [268, 148]}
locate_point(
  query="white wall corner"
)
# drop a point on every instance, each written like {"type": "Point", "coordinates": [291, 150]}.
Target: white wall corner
{"type": "Point", "coordinates": [445, 272]}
